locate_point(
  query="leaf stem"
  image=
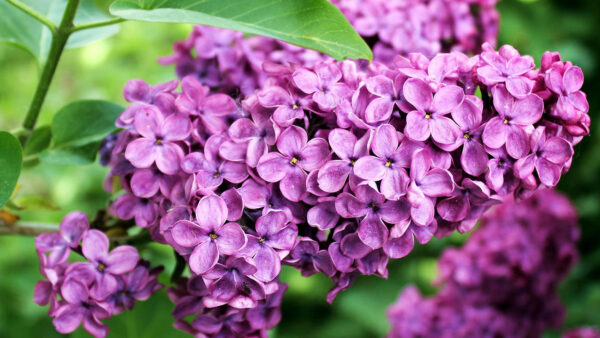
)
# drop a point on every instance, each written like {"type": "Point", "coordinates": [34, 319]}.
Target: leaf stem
{"type": "Point", "coordinates": [27, 228]}
{"type": "Point", "coordinates": [35, 14]}
{"type": "Point", "coordinates": [96, 24]}
{"type": "Point", "coordinates": [59, 41]}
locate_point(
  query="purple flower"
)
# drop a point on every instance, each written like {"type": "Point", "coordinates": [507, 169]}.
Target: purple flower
{"type": "Point", "coordinates": [567, 85]}
{"type": "Point", "coordinates": [137, 90]}
{"type": "Point", "coordinates": [59, 244]}
{"type": "Point", "coordinates": [274, 238]}
{"type": "Point", "coordinates": [258, 133]}
{"type": "Point", "coordinates": [464, 201]}
{"type": "Point", "coordinates": [513, 120]}
{"type": "Point", "coordinates": [373, 209]}
{"type": "Point", "coordinates": [500, 172]}
{"type": "Point", "coordinates": [428, 118]}
{"type": "Point", "coordinates": [506, 66]}
{"type": "Point", "coordinates": [210, 169]}
{"type": "Point", "coordinates": [197, 101]}
{"type": "Point", "coordinates": [322, 84]}
{"type": "Point", "coordinates": [468, 115]}
{"type": "Point", "coordinates": [267, 314]}
{"type": "Point", "coordinates": [332, 176]}
{"type": "Point", "coordinates": [138, 284]}
{"type": "Point", "coordinates": [104, 266]}
{"type": "Point", "coordinates": [209, 235]}
{"type": "Point", "coordinates": [295, 157]}
{"type": "Point", "coordinates": [547, 158]}
{"type": "Point", "coordinates": [307, 258]}
{"type": "Point", "coordinates": [232, 284]}
{"type": "Point", "coordinates": [268, 197]}
{"type": "Point", "coordinates": [159, 140]}
{"type": "Point", "coordinates": [129, 206]}
{"type": "Point", "coordinates": [147, 182]}
{"type": "Point", "coordinates": [78, 308]}
{"type": "Point", "coordinates": [388, 165]}
{"type": "Point", "coordinates": [289, 105]}
{"type": "Point", "coordinates": [427, 184]}
{"type": "Point", "coordinates": [389, 95]}
{"type": "Point", "coordinates": [190, 302]}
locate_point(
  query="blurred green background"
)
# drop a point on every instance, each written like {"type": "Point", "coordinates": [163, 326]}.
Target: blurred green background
{"type": "Point", "coordinates": [100, 70]}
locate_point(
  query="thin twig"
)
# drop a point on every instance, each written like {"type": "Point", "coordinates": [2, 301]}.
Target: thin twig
{"type": "Point", "coordinates": [35, 14]}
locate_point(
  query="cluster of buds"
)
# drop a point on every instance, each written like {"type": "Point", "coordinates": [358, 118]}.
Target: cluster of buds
{"type": "Point", "coordinates": [104, 284]}
{"type": "Point", "coordinates": [503, 282]}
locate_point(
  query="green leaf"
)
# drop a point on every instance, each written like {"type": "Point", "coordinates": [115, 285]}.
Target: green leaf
{"type": "Point", "coordinates": [78, 129]}
{"type": "Point", "coordinates": [39, 141]}
{"type": "Point", "coordinates": [314, 24]}
{"type": "Point", "coordinates": [11, 157]}
{"type": "Point", "coordinates": [20, 29]}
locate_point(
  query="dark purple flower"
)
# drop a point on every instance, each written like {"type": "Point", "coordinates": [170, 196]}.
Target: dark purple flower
{"type": "Point", "coordinates": [144, 210]}
{"type": "Point", "coordinates": [232, 284]}
{"type": "Point", "coordinates": [307, 257]}
{"type": "Point", "coordinates": [373, 209]}
{"type": "Point", "coordinates": [289, 106]}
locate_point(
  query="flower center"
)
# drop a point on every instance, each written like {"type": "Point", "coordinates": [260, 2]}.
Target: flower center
{"type": "Point", "coordinates": [294, 106]}
{"type": "Point", "coordinates": [374, 207]}
{"type": "Point", "coordinates": [352, 162]}
{"type": "Point", "coordinates": [213, 235]}
{"type": "Point", "coordinates": [428, 116]}
{"type": "Point", "coordinates": [217, 174]}
{"type": "Point", "coordinates": [158, 141]}
{"type": "Point", "coordinates": [467, 136]}
{"type": "Point", "coordinates": [101, 267]}
{"type": "Point", "coordinates": [261, 240]}
{"type": "Point", "coordinates": [505, 121]}
{"type": "Point", "coordinates": [388, 163]}
{"type": "Point", "coordinates": [294, 160]}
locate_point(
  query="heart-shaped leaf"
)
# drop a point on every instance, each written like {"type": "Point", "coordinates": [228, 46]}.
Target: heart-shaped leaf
{"type": "Point", "coordinates": [20, 29]}
{"type": "Point", "coordinates": [77, 130]}
{"type": "Point", "coordinates": [11, 157]}
{"type": "Point", "coordinates": [314, 24]}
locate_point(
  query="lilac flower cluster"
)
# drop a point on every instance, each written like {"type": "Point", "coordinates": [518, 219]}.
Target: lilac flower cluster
{"type": "Point", "coordinates": [337, 168]}
{"type": "Point", "coordinates": [227, 62]}
{"type": "Point", "coordinates": [424, 26]}
{"type": "Point", "coordinates": [192, 297]}
{"type": "Point", "coordinates": [503, 281]}
{"type": "Point", "coordinates": [105, 284]}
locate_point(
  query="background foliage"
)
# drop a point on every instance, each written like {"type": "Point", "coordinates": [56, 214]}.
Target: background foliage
{"type": "Point", "coordinates": [100, 70]}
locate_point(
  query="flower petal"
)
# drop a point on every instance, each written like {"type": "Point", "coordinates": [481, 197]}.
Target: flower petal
{"type": "Point", "coordinates": [94, 245]}
{"type": "Point", "coordinates": [122, 259]}
{"type": "Point", "coordinates": [231, 238]}
{"type": "Point", "coordinates": [204, 257]}
{"type": "Point", "coordinates": [332, 176]}
{"type": "Point", "coordinates": [211, 212]}
{"type": "Point", "coordinates": [372, 232]}
{"type": "Point", "coordinates": [418, 93]}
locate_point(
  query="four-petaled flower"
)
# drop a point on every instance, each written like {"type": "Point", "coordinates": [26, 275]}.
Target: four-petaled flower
{"type": "Point", "coordinates": [209, 235]}
{"type": "Point", "coordinates": [296, 156]}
